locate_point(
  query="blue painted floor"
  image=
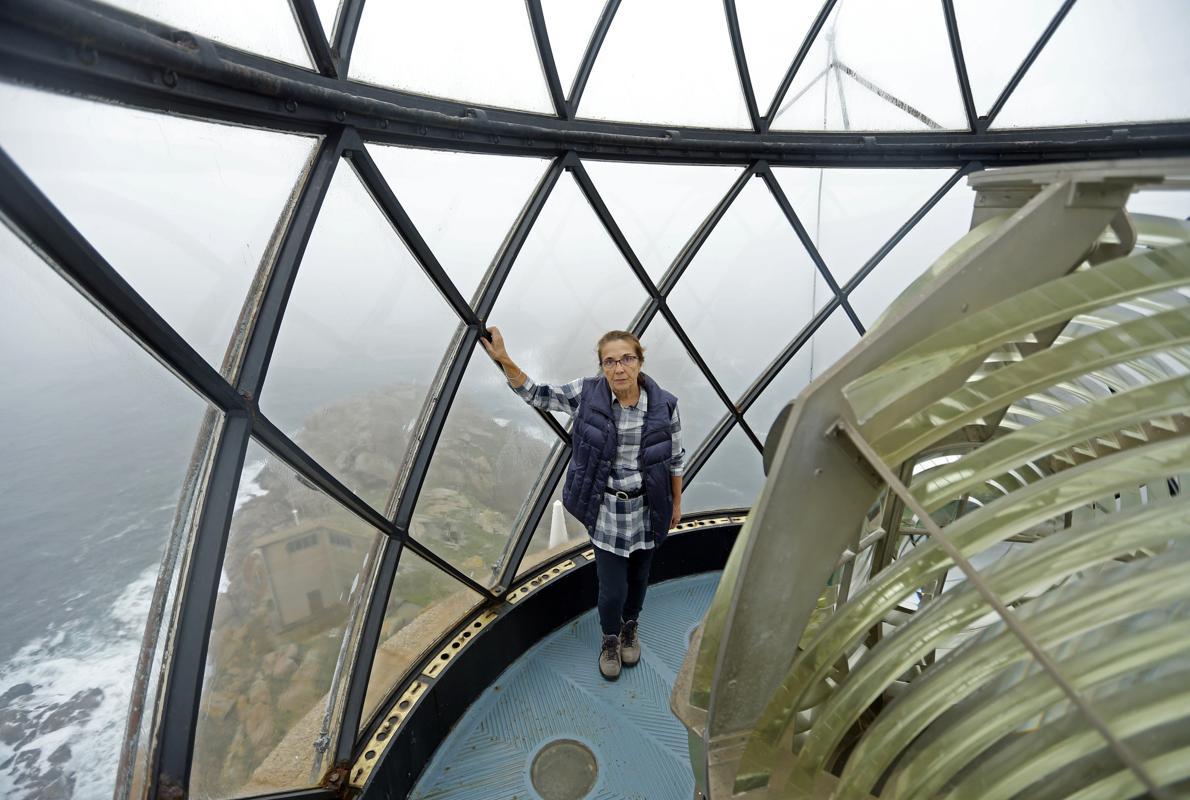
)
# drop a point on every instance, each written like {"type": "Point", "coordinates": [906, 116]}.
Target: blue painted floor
{"type": "Point", "coordinates": [555, 691]}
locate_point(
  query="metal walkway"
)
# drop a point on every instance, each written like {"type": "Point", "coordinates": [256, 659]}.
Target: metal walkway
{"type": "Point", "coordinates": [552, 708]}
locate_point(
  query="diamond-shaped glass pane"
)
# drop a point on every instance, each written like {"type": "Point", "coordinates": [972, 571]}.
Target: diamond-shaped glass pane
{"type": "Point", "coordinates": [732, 478]}
{"type": "Point", "coordinates": [184, 210]}
{"type": "Point", "coordinates": [268, 28]}
{"type": "Point", "coordinates": [463, 204]}
{"type": "Point", "coordinates": [361, 341]}
{"type": "Point", "coordinates": [667, 62]}
{"type": "Point", "coordinates": [832, 340]}
{"type": "Point", "coordinates": [1108, 62]}
{"type": "Point", "coordinates": [97, 441]}
{"type": "Point", "coordinates": [490, 454]}
{"type": "Point", "coordinates": [289, 603]}
{"type": "Point", "coordinates": [945, 224]}
{"type": "Point", "coordinates": [568, 286]}
{"type": "Point", "coordinates": [570, 24]}
{"type": "Point", "coordinates": [667, 361]}
{"type": "Point", "coordinates": [752, 267]}
{"type": "Point", "coordinates": [659, 206]}
{"type": "Point", "coordinates": [772, 31]}
{"type": "Point", "coordinates": [850, 213]}
{"type": "Point", "coordinates": [424, 604]}
{"type": "Point", "coordinates": [473, 50]}
{"type": "Point", "coordinates": [996, 38]}
{"type": "Point", "coordinates": [876, 66]}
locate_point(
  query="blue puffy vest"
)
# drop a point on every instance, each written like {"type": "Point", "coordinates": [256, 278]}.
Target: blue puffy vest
{"type": "Point", "coordinates": [594, 439]}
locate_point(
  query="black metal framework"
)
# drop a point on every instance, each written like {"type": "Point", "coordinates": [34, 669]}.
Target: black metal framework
{"type": "Point", "coordinates": [78, 46]}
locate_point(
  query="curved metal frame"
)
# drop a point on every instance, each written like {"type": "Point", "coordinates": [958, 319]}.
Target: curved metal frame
{"type": "Point", "coordinates": [80, 47]}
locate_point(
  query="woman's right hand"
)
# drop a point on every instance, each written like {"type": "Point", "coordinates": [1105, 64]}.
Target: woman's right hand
{"type": "Point", "coordinates": [495, 347]}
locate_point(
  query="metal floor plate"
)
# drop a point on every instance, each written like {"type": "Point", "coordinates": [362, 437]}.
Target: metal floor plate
{"type": "Point", "coordinates": [554, 692]}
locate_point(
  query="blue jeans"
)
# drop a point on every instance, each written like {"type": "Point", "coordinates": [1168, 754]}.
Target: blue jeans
{"type": "Point", "coordinates": [622, 585]}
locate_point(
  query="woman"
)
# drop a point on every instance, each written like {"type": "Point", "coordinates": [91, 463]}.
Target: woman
{"type": "Point", "coordinates": [624, 482]}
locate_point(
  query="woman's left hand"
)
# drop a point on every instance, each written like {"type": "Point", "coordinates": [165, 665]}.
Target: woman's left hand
{"type": "Point", "coordinates": [677, 515]}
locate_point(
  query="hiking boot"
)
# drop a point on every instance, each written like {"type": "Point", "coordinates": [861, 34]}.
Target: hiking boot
{"type": "Point", "coordinates": [629, 644]}
{"type": "Point", "coordinates": [609, 658]}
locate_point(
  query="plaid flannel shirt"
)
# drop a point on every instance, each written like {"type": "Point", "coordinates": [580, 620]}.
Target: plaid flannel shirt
{"type": "Point", "coordinates": [622, 526]}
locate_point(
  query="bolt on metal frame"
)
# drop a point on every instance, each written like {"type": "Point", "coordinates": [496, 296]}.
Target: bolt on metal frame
{"type": "Point", "coordinates": [81, 47]}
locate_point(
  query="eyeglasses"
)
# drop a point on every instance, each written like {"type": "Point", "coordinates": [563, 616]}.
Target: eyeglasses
{"type": "Point", "coordinates": [628, 361]}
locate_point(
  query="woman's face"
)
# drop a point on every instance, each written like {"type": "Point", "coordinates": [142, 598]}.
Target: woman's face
{"type": "Point", "coordinates": [622, 376]}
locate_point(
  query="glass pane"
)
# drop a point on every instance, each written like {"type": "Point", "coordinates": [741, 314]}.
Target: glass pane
{"type": "Point", "coordinates": [472, 50]}
{"type": "Point", "coordinates": [328, 11]}
{"type": "Point", "coordinates": [862, 73]}
{"type": "Point", "coordinates": [996, 38]}
{"type": "Point", "coordinates": [489, 456]}
{"type": "Point", "coordinates": [1162, 202]}
{"type": "Point", "coordinates": [773, 31]}
{"type": "Point", "coordinates": [754, 268]}
{"type": "Point", "coordinates": [945, 224]}
{"type": "Point", "coordinates": [184, 210]}
{"type": "Point", "coordinates": [667, 62]}
{"type": "Point", "coordinates": [360, 344]}
{"type": "Point", "coordinates": [830, 342]}
{"type": "Point", "coordinates": [568, 287]}
{"type": "Point", "coordinates": [97, 441]}
{"type": "Point", "coordinates": [269, 29]}
{"type": "Point", "coordinates": [463, 204]}
{"type": "Point", "coordinates": [659, 206]}
{"type": "Point", "coordinates": [1108, 62]}
{"type": "Point", "coordinates": [667, 361]}
{"type": "Point", "coordinates": [293, 572]}
{"type": "Point", "coordinates": [550, 539]}
{"type": "Point", "coordinates": [732, 478]}
{"type": "Point", "coordinates": [570, 24]}
{"type": "Point", "coordinates": [424, 604]}
{"type": "Point", "coordinates": [850, 213]}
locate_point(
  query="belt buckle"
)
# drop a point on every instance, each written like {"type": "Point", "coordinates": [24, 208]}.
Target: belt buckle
{"type": "Point", "coordinates": [621, 495]}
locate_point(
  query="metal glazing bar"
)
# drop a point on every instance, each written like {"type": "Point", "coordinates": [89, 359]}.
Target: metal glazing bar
{"type": "Point", "coordinates": [960, 63]}
{"type": "Point", "coordinates": [39, 222]}
{"type": "Point", "coordinates": [197, 592]}
{"type": "Point", "coordinates": [377, 186]}
{"type": "Point", "coordinates": [592, 52]}
{"type": "Point", "coordinates": [131, 751]}
{"type": "Point", "coordinates": [369, 640]}
{"type": "Point", "coordinates": [903, 231]}
{"type": "Point", "coordinates": [788, 352]}
{"type": "Point", "coordinates": [587, 186]}
{"type": "Point", "coordinates": [545, 54]}
{"type": "Point", "coordinates": [314, 37]}
{"type": "Point", "coordinates": [1043, 659]}
{"type": "Point", "coordinates": [312, 472]}
{"type": "Point", "coordinates": [280, 283]}
{"type": "Point", "coordinates": [429, 555]}
{"type": "Point", "coordinates": [798, 58]}
{"type": "Point", "coordinates": [523, 536]}
{"type": "Point", "coordinates": [557, 427]}
{"type": "Point", "coordinates": [454, 367]}
{"type": "Point", "coordinates": [346, 26]}
{"type": "Point", "coordinates": [107, 53]}
{"type": "Point", "coordinates": [985, 122]}
{"type": "Point", "coordinates": [741, 62]}
{"type": "Point", "coordinates": [787, 209]}
{"type": "Point", "coordinates": [703, 454]}
{"type": "Point", "coordinates": [696, 357]}
{"type": "Point", "coordinates": [686, 254]}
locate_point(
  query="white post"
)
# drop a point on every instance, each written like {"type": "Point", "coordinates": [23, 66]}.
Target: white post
{"type": "Point", "coordinates": [558, 534]}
